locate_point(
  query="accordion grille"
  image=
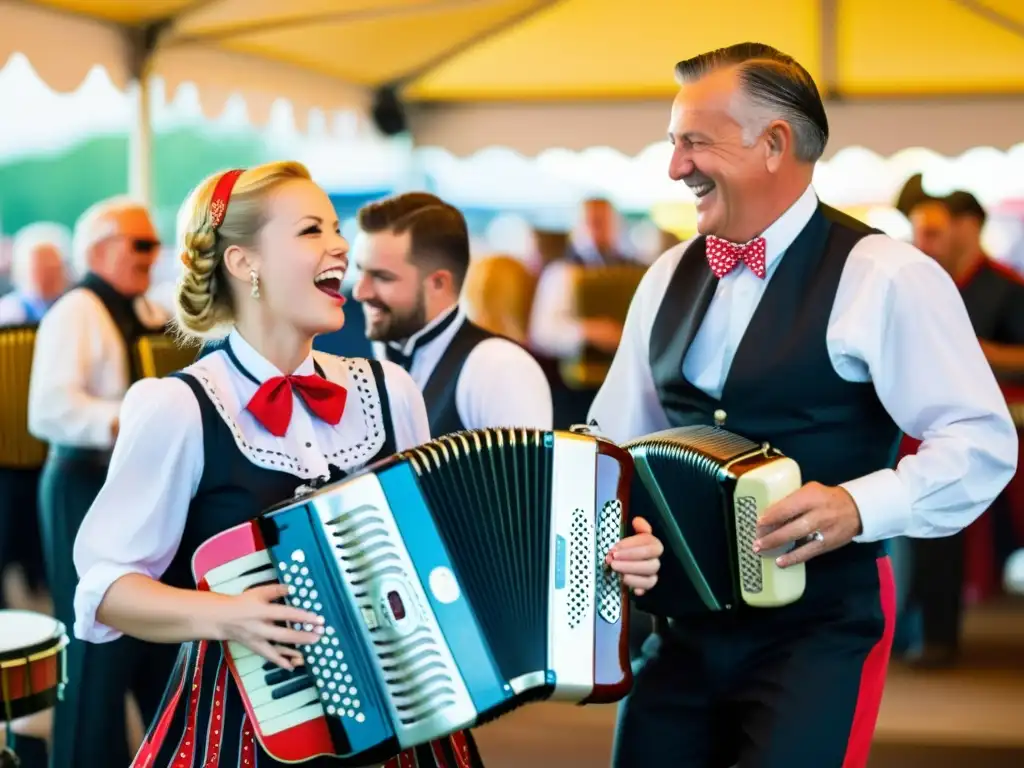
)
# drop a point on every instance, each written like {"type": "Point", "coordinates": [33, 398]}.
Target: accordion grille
{"type": "Point", "coordinates": [746, 532]}
{"type": "Point", "coordinates": [609, 582]}
{"type": "Point", "coordinates": [489, 491]}
{"type": "Point", "coordinates": [580, 562]}
{"type": "Point", "coordinates": [414, 669]}
{"type": "Point", "coordinates": [18, 448]}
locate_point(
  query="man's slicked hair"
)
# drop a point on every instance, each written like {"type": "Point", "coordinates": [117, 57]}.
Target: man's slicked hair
{"type": "Point", "coordinates": [772, 81]}
{"type": "Point", "coordinates": [438, 235]}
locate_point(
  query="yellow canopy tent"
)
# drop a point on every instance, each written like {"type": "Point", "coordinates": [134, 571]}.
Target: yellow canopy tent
{"type": "Point", "coordinates": [339, 53]}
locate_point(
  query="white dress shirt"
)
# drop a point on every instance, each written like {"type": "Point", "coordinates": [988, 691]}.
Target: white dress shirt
{"type": "Point", "coordinates": [898, 321]}
{"type": "Point", "coordinates": [136, 522]}
{"type": "Point", "coordinates": [555, 330]}
{"type": "Point", "coordinates": [80, 370]}
{"type": "Point", "coordinates": [500, 385]}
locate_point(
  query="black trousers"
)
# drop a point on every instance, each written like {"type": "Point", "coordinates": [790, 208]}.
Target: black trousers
{"type": "Point", "coordinates": [936, 588]}
{"type": "Point", "coordinates": [794, 687]}
{"type": "Point", "coordinates": [937, 576]}
{"type": "Point", "coordinates": [89, 723]}
{"type": "Point", "coordinates": [20, 542]}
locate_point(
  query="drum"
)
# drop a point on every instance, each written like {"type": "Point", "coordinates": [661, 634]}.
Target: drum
{"type": "Point", "coordinates": [32, 663]}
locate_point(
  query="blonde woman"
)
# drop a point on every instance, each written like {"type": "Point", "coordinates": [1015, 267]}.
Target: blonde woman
{"type": "Point", "coordinates": [210, 448]}
{"type": "Point", "coordinates": [498, 295]}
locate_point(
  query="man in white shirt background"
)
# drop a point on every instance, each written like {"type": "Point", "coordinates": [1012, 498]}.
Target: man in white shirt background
{"type": "Point", "coordinates": [413, 255]}
{"type": "Point", "coordinates": [83, 364]}
{"type": "Point", "coordinates": [826, 339]}
{"type": "Point", "coordinates": [556, 333]}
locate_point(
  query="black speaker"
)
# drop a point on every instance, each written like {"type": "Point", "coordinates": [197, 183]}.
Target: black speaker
{"type": "Point", "coordinates": [388, 111]}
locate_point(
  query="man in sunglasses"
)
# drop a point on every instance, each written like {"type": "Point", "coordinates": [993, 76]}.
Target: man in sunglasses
{"type": "Point", "coordinates": [83, 364]}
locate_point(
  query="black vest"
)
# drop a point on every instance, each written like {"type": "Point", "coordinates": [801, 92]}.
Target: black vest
{"type": "Point", "coordinates": [440, 389]}
{"type": "Point", "coordinates": [781, 387]}
{"type": "Point", "coordinates": [994, 298]}
{"type": "Point", "coordinates": [122, 312]}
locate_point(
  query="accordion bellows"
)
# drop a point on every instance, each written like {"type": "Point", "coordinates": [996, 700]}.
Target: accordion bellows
{"type": "Point", "coordinates": [703, 489]}
{"type": "Point", "coordinates": [18, 448]}
{"type": "Point", "coordinates": [458, 580]}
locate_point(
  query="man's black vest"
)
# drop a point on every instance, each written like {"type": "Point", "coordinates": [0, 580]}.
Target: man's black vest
{"type": "Point", "coordinates": [440, 389]}
{"type": "Point", "coordinates": [781, 387]}
{"type": "Point", "coordinates": [122, 312]}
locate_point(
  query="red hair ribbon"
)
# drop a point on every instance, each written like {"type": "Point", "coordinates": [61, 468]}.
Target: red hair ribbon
{"type": "Point", "coordinates": [221, 196]}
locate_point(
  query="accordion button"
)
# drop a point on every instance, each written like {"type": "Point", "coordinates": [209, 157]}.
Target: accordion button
{"type": "Point", "coordinates": [396, 605]}
{"type": "Point", "coordinates": [443, 585]}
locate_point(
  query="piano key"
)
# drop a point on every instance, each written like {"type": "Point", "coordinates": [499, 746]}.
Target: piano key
{"type": "Point", "coordinates": [236, 568]}
{"type": "Point", "coordinates": [244, 582]}
{"type": "Point", "coordinates": [242, 656]}
{"type": "Point", "coordinates": [278, 676]}
{"type": "Point", "coordinates": [294, 686]}
{"type": "Point", "coordinates": [291, 719]}
{"type": "Point", "coordinates": [268, 693]}
{"type": "Point", "coordinates": [274, 708]}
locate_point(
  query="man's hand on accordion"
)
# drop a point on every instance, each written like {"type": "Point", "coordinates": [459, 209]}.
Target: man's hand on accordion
{"type": "Point", "coordinates": [818, 518]}
{"type": "Point", "coordinates": [637, 558]}
{"type": "Point", "coordinates": [258, 621]}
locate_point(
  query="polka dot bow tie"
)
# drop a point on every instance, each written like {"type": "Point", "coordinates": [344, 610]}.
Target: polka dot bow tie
{"type": "Point", "coordinates": [723, 256]}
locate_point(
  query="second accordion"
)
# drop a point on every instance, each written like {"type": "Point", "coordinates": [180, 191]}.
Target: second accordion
{"type": "Point", "coordinates": [458, 580]}
{"type": "Point", "coordinates": [703, 490]}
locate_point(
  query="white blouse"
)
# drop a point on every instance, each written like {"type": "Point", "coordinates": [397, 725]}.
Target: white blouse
{"type": "Point", "coordinates": [136, 522]}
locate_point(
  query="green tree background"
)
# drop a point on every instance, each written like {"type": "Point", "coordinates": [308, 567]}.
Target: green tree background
{"type": "Point", "coordinates": [59, 186]}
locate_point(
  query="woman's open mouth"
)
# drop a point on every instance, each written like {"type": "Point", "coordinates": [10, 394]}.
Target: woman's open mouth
{"type": "Point", "coordinates": [329, 282]}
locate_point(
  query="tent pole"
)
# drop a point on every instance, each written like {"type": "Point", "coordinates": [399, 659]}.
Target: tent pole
{"type": "Point", "coordinates": [140, 144]}
{"type": "Point", "coordinates": [143, 43]}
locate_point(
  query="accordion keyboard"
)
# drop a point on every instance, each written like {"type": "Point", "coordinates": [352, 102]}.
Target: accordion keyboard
{"type": "Point", "coordinates": [279, 699]}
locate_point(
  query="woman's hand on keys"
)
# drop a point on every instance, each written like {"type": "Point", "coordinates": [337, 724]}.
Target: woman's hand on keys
{"type": "Point", "coordinates": [254, 619]}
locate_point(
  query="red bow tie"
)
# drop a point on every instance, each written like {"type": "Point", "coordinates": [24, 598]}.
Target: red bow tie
{"type": "Point", "coordinates": [272, 403]}
{"type": "Point", "coordinates": [723, 256]}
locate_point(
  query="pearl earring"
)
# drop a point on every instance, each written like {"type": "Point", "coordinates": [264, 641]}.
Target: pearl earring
{"type": "Point", "coordinates": [254, 279]}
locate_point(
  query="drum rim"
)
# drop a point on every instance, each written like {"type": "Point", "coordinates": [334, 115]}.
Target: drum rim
{"type": "Point", "coordinates": [39, 650]}
{"type": "Point", "coordinates": [35, 654]}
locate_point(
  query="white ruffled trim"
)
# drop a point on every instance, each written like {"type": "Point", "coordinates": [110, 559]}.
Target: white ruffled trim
{"type": "Point", "coordinates": [357, 439]}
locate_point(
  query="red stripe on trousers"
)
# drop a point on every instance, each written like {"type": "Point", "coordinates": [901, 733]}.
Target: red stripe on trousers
{"type": "Point", "coordinates": [872, 676]}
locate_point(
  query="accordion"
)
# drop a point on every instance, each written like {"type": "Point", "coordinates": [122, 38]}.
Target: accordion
{"type": "Point", "coordinates": [598, 292]}
{"type": "Point", "coordinates": [160, 354]}
{"type": "Point", "coordinates": [702, 489]}
{"type": "Point", "coordinates": [18, 448]}
{"type": "Point", "coordinates": [458, 580]}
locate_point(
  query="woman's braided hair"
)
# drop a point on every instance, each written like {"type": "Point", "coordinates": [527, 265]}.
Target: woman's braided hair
{"type": "Point", "coordinates": [205, 302]}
